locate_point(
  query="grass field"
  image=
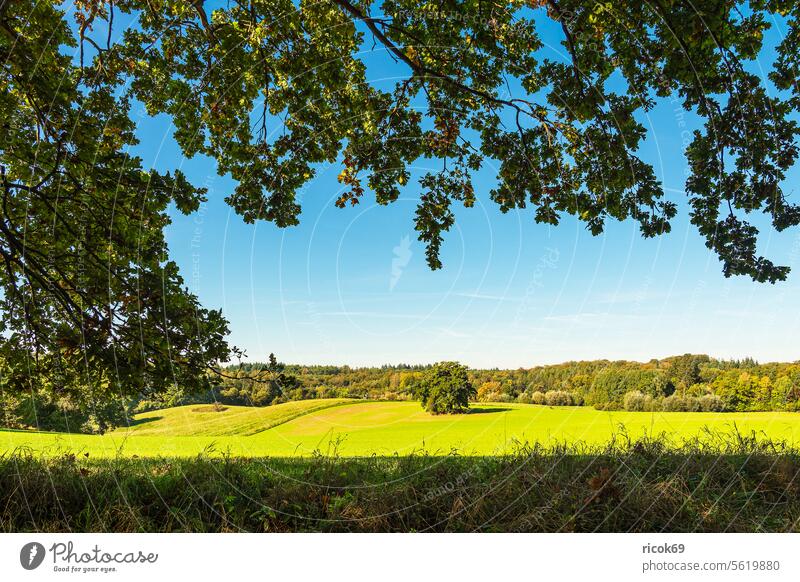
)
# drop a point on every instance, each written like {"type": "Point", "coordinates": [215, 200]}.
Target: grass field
{"type": "Point", "coordinates": [362, 428]}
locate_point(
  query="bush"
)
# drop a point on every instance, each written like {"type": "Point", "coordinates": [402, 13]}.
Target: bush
{"type": "Point", "coordinates": [705, 403]}
{"type": "Point", "coordinates": [712, 403]}
{"type": "Point", "coordinates": [496, 397]}
{"type": "Point", "coordinates": [639, 402]}
{"type": "Point", "coordinates": [693, 404]}
{"type": "Point", "coordinates": [674, 403]}
{"type": "Point", "coordinates": [537, 398]}
{"type": "Point", "coordinates": [558, 398]}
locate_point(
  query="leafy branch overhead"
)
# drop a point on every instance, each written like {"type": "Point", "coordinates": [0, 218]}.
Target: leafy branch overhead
{"type": "Point", "coordinates": [564, 133]}
{"type": "Point", "coordinates": [271, 89]}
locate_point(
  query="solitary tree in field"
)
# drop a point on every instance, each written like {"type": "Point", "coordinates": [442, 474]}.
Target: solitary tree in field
{"type": "Point", "coordinates": [445, 389]}
{"type": "Point", "coordinates": [92, 305]}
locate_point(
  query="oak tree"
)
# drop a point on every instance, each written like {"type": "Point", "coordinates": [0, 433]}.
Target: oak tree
{"type": "Point", "coordinates": [445, 388]}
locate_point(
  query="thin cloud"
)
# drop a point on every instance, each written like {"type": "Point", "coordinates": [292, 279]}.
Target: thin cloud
{"type": "Point", "coordinates": [452, 333]}
{"type": "Point", "coordinates": [377, 314]}
{"type": "Point", "coordinates": [485, 296]}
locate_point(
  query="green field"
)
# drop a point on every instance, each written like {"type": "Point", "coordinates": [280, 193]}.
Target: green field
{"type": "Point", "coordinates": [363, 428]}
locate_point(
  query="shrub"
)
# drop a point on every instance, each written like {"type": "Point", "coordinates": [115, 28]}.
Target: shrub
{"type": "Point", "coordinates": [692, 404]}
{"type": "Point", "coordinates": [495, 397]}
{"type": "Point", "coordinates": [705, 403]}
{"type": "Point", "coordinates": [674, 403]}
{"type": "Point", "coordinates": [639, 402]}
{"type": "Point", "coordinates": [711, 403]}
{"type": "Point", "coordinates": [558, 398]}
{"type": "Point", "coordinates": [537, 398]}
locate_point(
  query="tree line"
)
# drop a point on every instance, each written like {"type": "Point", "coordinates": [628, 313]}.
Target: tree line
{"type": "Point", "coordinates": [689, 383]}
{"type": "Point", "coordinates": [681, 383]}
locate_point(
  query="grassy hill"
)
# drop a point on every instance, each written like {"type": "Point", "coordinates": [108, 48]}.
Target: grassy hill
{"type": "Point", "coordinates": [362, 428]}
{"type": "Point", "coordinates": [206, 420]}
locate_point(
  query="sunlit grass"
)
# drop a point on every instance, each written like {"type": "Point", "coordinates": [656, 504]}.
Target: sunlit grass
{"type": "Point", "coordinates": [362, 428]}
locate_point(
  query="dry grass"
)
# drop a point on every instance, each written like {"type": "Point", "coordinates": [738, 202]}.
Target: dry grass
{"type": "Point", "coordinates": [744, 485]}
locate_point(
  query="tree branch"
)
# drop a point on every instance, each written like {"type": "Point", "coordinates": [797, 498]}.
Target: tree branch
{"type": "Point", "coordinates": [423, 71]}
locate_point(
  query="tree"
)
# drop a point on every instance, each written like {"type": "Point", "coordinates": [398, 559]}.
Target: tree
{"type": "Point", "coordinates": [737, 389]}
{"type": "Point", "coordinates": [489, 391]}
{"type": "Point", "coordinates": [410, 382]}
{"type": "Point", "coordinates": [91, 302]}
{"type": "Point", "coordinates": [260, 385]}
{"type": "Point", "coordinates": [92, 307]}
{"type": "Point", "coordinates": [762, 397]}
{"type": "Point", "coordinates": [685, 370]}
{"type": "Point", "coordinates": [565, 140]}
{"type": "Point", "coordinates": [780, 393]}
{"type": "Point", "coordinates": [446, 389]}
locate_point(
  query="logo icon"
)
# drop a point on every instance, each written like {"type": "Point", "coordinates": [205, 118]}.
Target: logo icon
{"type": "Point", "coordinates": [402, 255]}
{"type": "Point", "coordinates": [31, 555]}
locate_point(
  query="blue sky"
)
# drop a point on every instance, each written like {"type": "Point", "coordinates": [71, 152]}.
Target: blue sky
{"type": "Point", "coordinates": [352, 287]}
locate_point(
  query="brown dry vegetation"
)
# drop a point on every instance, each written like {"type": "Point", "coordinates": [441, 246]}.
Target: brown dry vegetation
{"type": "Point", "coordinates": [750, 486]}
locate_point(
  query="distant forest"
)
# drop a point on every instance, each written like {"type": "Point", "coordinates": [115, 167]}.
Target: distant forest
{"type": "Point", "coordinates": [693, 383]}
{"type": "Point", "coordinates": [680, 383]}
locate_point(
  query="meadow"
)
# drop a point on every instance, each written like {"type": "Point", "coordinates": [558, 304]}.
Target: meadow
{"type": "Point", "coordinates": [352, 428]}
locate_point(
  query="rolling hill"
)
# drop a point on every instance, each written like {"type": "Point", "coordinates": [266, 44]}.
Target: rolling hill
{"type": "Point", "coordinates": [362, 428]}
